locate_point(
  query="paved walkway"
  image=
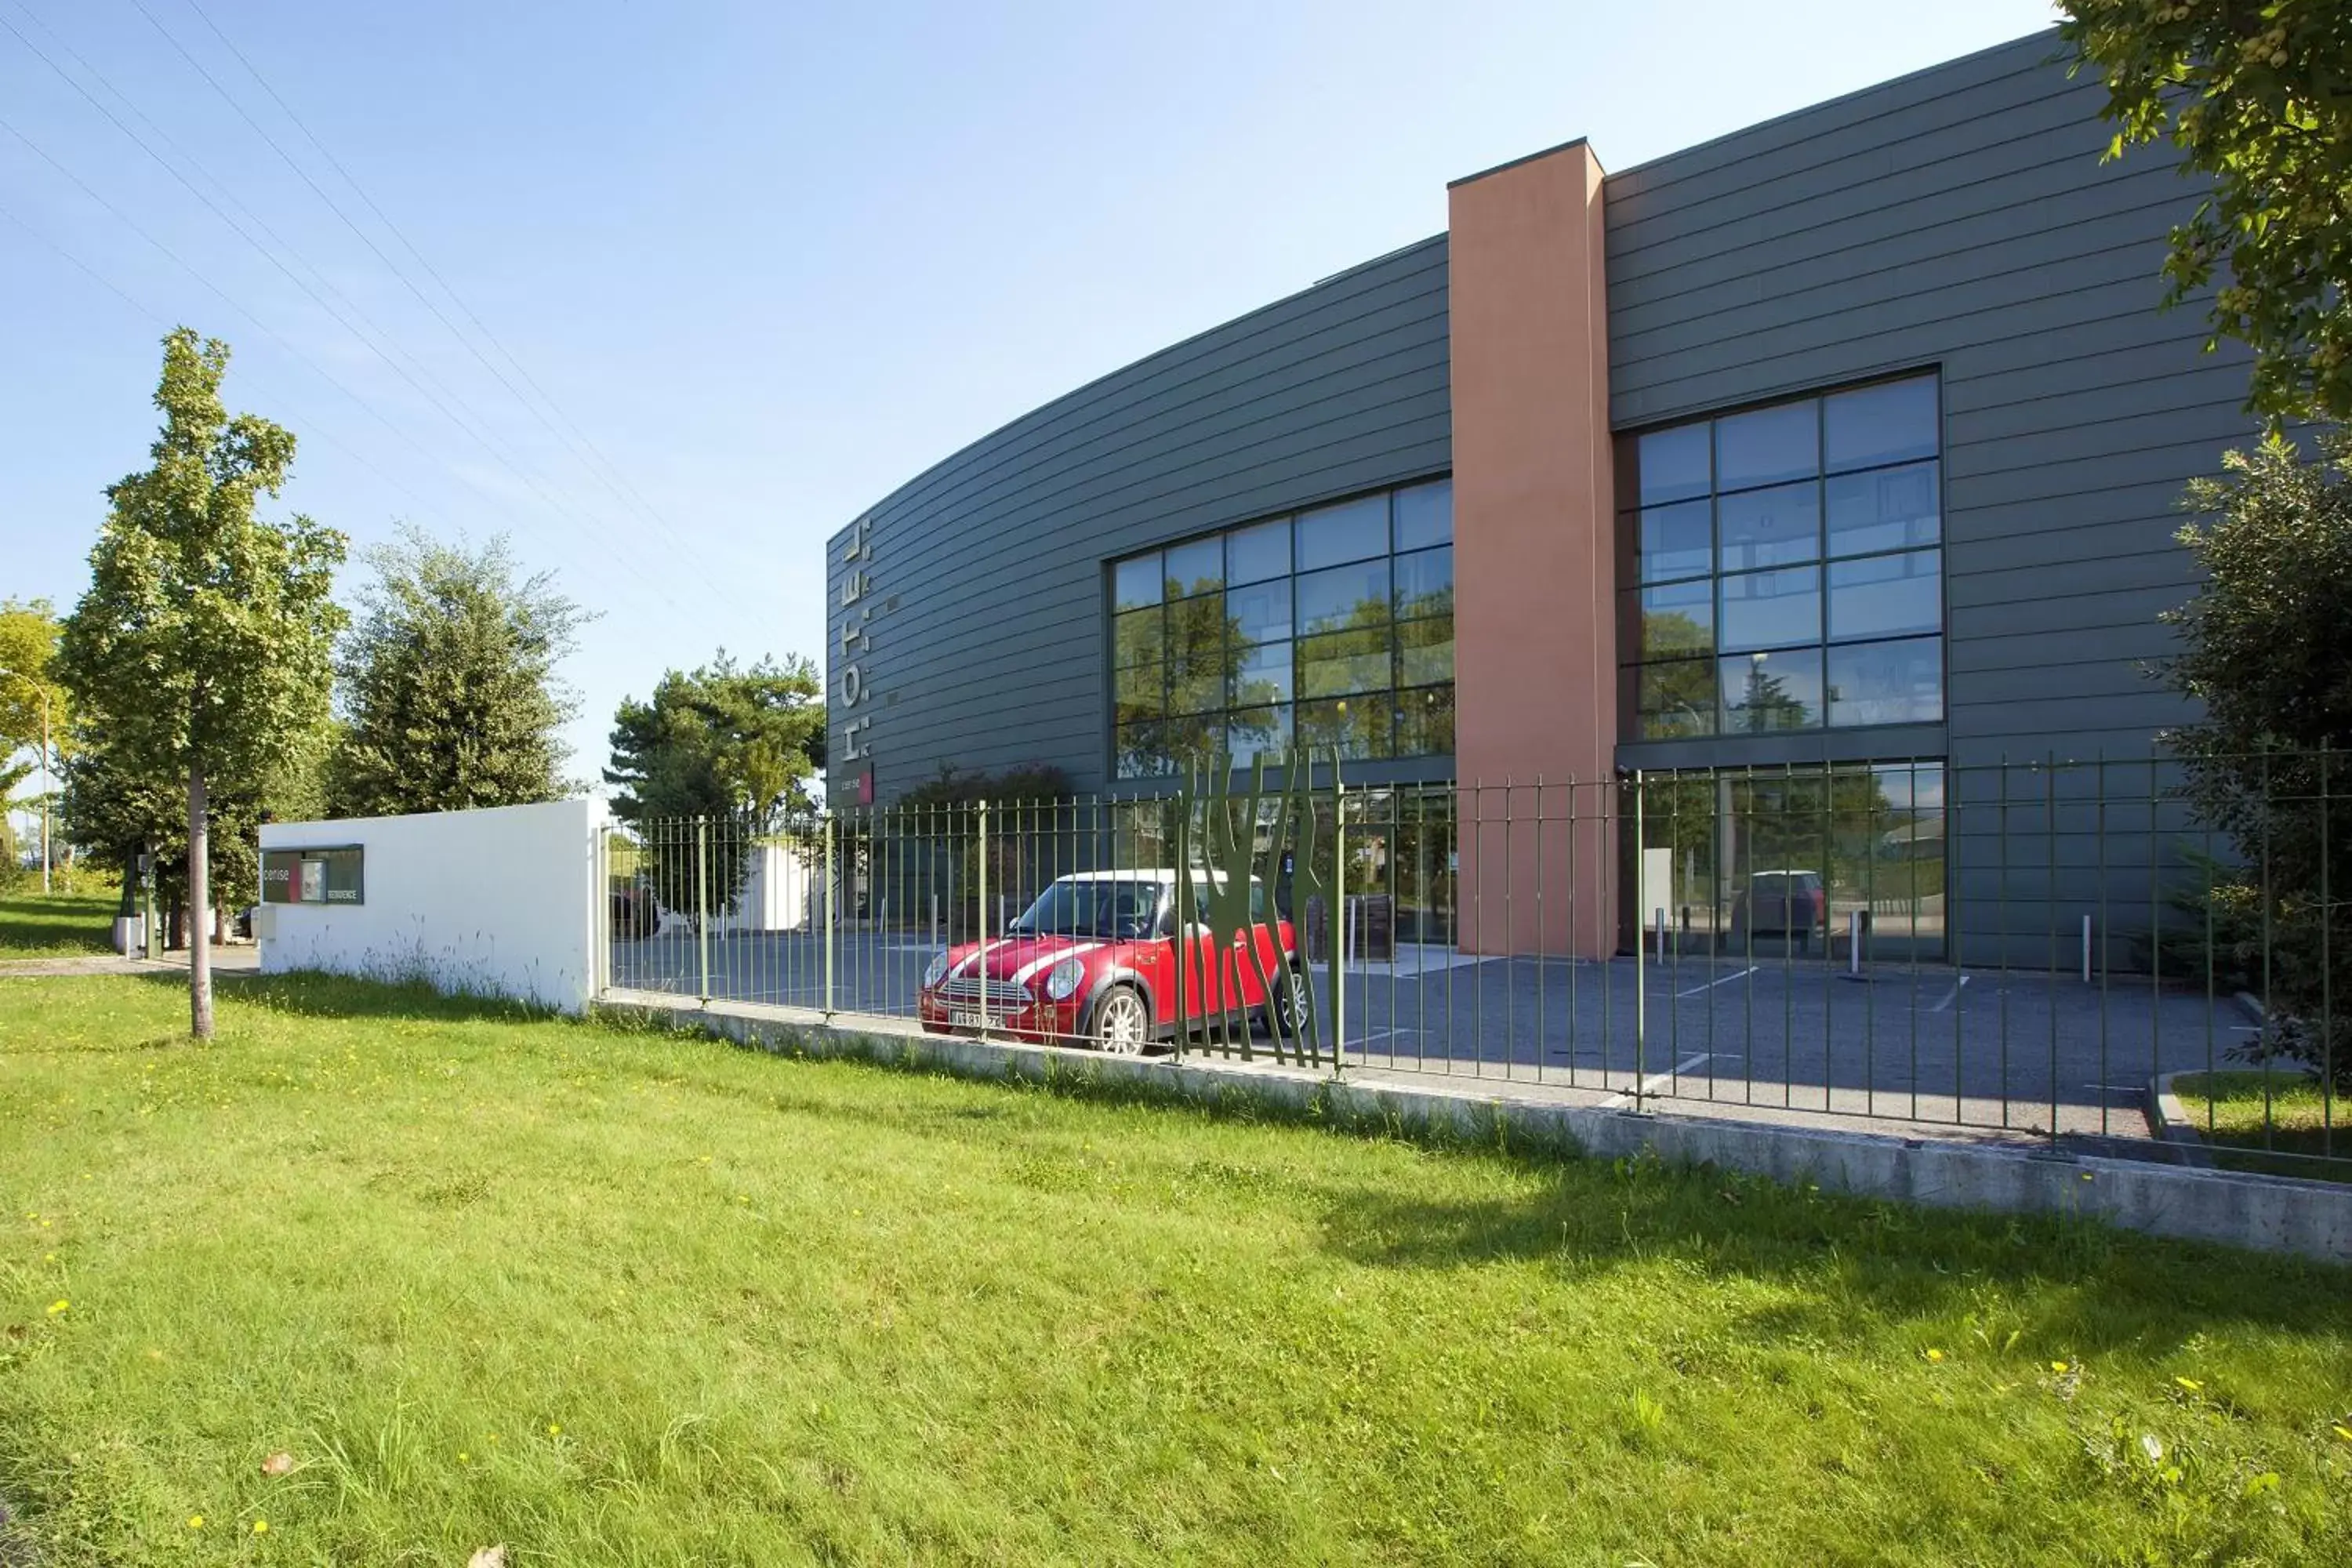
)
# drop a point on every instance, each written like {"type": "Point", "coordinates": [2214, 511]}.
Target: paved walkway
{"type": "Point", "coordinates": [242, 959]}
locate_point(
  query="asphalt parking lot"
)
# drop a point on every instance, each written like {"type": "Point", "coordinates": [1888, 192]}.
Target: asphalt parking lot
{"type": "Point", "coordinates": [2028, 1051]}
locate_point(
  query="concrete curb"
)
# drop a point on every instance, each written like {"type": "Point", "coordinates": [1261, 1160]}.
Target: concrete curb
{"type": "Point", "coordinates": [2270, 1213]}
{"type": "Point", "coordinates": [2172, 1121]}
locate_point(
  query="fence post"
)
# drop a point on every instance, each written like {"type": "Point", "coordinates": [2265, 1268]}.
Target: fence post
{"type": "Point", "coordinates": [702, 904]}
{"type": "Point", "coordinates": [1339, 904]}
{"type": "Point", "coordinates": [832, 908]}
{"type": "Point", "coordinates": [980, 957]}
{"type": "Point", "coordinates": [600, 873]}
{"type": "Point", "coordinates": [1641, 965]}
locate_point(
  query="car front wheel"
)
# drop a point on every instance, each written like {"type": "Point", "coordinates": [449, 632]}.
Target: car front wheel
{"type": "Point", "coordinates": [1121, 1024]}
{"type": "Point", "coordinates": [1285, 1014]}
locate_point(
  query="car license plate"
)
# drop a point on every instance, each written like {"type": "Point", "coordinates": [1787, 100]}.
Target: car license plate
{"type": "Point", "coordinates": [971, 1019]}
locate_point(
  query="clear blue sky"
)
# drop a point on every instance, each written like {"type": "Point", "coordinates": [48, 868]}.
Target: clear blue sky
{"type": "Point", "coordinates": [771, 260]}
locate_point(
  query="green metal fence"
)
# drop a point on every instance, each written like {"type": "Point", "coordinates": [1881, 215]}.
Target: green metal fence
{"type": "Point", "coordinates": [2141, 953]}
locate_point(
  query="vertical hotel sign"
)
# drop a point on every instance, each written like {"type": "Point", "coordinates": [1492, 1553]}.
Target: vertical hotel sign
{"type": "Point", "coordinates": [852, 754]}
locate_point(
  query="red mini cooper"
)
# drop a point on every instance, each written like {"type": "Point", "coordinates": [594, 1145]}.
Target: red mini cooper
{"type": "Point", "coordinates": [1094, 962]}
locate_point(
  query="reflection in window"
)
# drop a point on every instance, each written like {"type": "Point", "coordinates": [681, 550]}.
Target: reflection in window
{"type": "Point", "coordinates": [1344, 596]}
{"type": "Point", "coordinates": [1676, 620]}
{"type": "Point", "coordinates": [1425, 515]}
{"type": "Point", "coordinates": [1890, 509]}
{"type": "Point", "coordinates": [1677, 542]}
{"type": "Point", "coordinates": [1763, 608]}
{"type": "Point", "coordinates": [1778, 527]}
{"type": "Point", "coordinates": [1261, 612]}
{"type": "Point", "coordinates": [1425, 583]}
{"type": "Point", "coordinates": [1196, 568]}
{"type": "Point", "coordinates": [1865, 837]}
{"type": "Point", "coordinates": [1249, 731]}
{"type": "Point", "coordinates": [1257, 554]}
{"type": "Point", "coordinates": [1426, 653]}
{"type": "Point", "coordinates": [1776, 691]}
{"type": "Point", "coordinates": [1786, 533]}
{"type": "Point", "coordinates": [1352, 530]}
{"type": "Point", "coordinates": [1767, 446]}
{"type": "Point", "coordinates": [1424, 721]}
{"type": "Point", "coordinates": [1332, 628]}
{"type": "Point", "coordinates": [1892, 422]}
{"type": "Point", "coordinates": [1887, 595]}
{"type": "Point", "coordinates": [1357, 726]}
{"type": "Point", "coordinates": [1887, 682]}
{"type": "Point", "coordinates": [1260, 674]}
{"type": "Point", "coordinates": [1136, 581]}
{"type": "Point", "coordinates": [1673, 465]}
{"type": "Point", "coordinates": [1677, 697]}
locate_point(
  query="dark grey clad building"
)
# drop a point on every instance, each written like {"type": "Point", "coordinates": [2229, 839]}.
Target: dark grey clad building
{"type": "Point", "coordinates": [1825, 473]}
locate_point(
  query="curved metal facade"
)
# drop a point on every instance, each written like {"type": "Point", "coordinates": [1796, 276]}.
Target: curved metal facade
{"type": "Point", "coordinates": [970, 602]}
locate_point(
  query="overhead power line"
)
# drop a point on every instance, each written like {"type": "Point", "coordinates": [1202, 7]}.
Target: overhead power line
{"type": "Point", "coordinates": [374, 338]}
{"type": "Point", "coordinates": [576, 442]}
{"type": "Point", "coordinates": [163, 319]}
{"type": "Point", "coordinates": [227, 298]}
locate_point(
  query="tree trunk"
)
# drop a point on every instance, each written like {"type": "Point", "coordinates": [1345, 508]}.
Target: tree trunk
{"type": "Point", "coordinates": [200, 945]}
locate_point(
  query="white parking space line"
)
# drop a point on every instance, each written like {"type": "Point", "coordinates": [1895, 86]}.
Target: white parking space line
{"type": "Point", "coordinates": [1950, 996]}
{"type": "Point", "coordinates": [1656, 1081]}
{"type": "Point", "coordinates": [1711, 984]}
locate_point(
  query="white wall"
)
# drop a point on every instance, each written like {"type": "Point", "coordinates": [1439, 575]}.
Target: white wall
{"type": "Point", "coordinates": [780, 892]}
{"type": "Point", "coordinates": [499, 902]}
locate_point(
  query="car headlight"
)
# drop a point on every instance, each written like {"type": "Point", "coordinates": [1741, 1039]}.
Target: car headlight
{"type": "Point", "coordinates": [1062, 980]}
{"type": "Point", "coordinates": [937, 972]}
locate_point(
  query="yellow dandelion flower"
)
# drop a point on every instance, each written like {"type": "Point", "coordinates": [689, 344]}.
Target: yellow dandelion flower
{"type": "Point", "coordinates": [464, 1457]}
{"type": "Point", "coordinates": [60, 1305]}
{"type": "Point", "coordinates": [2190, 1383]}
{"type": "Point", "coordinates": [553, 1430]}
{"type": "Point", "coordinates": [260, 1527]}
{"type": "Point", "coordinates": [1934, 1355]}
{"type": "Point", "coordinates": [195, 1521]}
{"type": "Point", "coordinates": [2059, 1367]}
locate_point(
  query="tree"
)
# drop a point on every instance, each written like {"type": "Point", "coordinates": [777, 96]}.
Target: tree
{"type": "Point", "coordinates": [205, 643]}
{"type": "Point", "coordinates": [35, 715]}
{"type": "Point", "coordinates": [739, 745]}
{"type": "Point", "coordinates": [449, 693]}
{"type": "Point", "coordinates": [2263, 653]}
{"type": "Point", "coordinates": [2258, 96]}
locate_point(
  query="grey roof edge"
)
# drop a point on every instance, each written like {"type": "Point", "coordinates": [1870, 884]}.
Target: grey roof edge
{"type": "Point", "coordinates": [1526, 158]}
{"type": "Point", "coordinates": [2047, 35]}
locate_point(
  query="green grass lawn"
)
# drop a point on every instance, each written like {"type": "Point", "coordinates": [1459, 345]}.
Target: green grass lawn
{"type": "Point", "coordinates": [34, 924]}
{"type": "Point", "coordinates": [609, 1296]}
{"type": "Point", "coordinates": [2275, 1113]}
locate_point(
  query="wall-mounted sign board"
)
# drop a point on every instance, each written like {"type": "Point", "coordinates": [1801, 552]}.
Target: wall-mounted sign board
{"type": "Point", "coordinates": [329, 875]}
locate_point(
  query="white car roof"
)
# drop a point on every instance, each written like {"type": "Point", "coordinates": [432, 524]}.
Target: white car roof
{"type": "Point", "coordinates": [1139, 874]}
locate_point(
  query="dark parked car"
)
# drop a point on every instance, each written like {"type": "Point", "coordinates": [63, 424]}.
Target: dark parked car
{"type": "Point", "coordinates": [1788, 905]}
{"type": "Point", "coordinates": [634, 911]}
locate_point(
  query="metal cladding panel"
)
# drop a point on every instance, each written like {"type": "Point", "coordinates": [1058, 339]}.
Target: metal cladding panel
{"type": "Point", "coordinates": [973, 614]}
{"type": "Point", "coordinates": [1961, 218]}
